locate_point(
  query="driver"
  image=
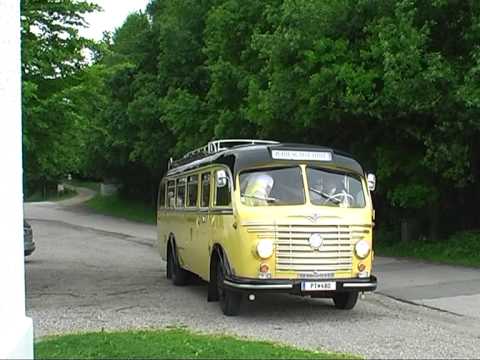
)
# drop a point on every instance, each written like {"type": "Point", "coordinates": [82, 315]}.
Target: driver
{"type": "Point", "coordinates": [258, 189]}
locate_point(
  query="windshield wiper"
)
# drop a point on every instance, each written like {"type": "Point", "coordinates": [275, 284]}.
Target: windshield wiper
{"type": "Point", "coordinates": [325, 195]}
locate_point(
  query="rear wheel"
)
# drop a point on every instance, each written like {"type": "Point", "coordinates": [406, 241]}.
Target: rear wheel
{"type": "Point", "coordinates": [178, 275]}
{"type": "Point", "coordinates": [229, 300]}
{"type": "Point", "coordinates": [345, 301]}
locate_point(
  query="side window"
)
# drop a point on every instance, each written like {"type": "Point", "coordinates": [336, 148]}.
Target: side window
{"type": "Point", "coordinates": [181, 183]}
{"type": "Point", "coordinates": [205, 199]}
{"type": "Point", "coordinates": [192, 191]}
{"type": "Point", "coordinates": [161, 195]}
{"type": "Point", "coordinates": [171, 194]}
{"type": "Point", "coordinates": [222, 189]}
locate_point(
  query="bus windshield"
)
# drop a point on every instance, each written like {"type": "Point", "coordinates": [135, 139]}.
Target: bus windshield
{"type": "Point", "coordinates": [329, 188]}
{"type": "Point", "coordinates": [270, 187]}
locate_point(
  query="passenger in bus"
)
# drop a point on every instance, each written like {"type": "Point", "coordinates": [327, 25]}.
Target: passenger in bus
{"type": "Point", "coordinates": [258, 189]}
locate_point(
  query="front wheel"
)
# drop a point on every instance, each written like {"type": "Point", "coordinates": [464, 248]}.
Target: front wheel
{"type": "Point", "coordinates": [345, 301]}
{"type": "Point", "coordinates": [229, 300]}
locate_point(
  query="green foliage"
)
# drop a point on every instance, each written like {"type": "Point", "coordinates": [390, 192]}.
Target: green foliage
{"type": "Point", "coordinates": [52, 56]}
{"type": "Point", "coordinates": [167, 344]}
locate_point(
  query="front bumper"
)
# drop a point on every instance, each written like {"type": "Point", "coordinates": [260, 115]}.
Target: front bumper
{"type": "Point", "coordinates": [294, 286]}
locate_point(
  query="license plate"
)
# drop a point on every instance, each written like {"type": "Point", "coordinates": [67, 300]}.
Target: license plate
{"type": "Point", "coordinates": [319, 286]}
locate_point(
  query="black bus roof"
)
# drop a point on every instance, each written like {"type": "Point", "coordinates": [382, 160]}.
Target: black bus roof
{"type": "Point", "coordinates": [248, 156]}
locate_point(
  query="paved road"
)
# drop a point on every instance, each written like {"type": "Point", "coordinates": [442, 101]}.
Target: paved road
{"type": "Point", "coordinates": [91, 272]}
{"type": "Point", "coordinates": [453, 289]}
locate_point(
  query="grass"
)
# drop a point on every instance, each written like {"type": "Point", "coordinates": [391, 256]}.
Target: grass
{"type": "Point", "coordinates": [460, 249]}
{"type": "Point", "coordinates": [128, 209]}
{"type": "Point", "coordinates": [38, 196]}
{"type": "Point", "coordinates": [167, 344]}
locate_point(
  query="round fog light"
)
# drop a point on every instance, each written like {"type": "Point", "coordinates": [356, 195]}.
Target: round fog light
{"type": "Point", "coordinates": [361, 267]}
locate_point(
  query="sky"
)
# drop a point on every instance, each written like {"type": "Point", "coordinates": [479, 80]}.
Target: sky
{"type": "Point", "coordinates": [113, 15]}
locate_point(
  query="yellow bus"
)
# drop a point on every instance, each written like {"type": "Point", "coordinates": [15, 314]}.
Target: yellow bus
{"type": "Point", "coordinates": [256, 216]}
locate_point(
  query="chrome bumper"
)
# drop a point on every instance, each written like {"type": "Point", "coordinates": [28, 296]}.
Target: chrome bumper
{"type": "Point", "coordinates": [295, 286]}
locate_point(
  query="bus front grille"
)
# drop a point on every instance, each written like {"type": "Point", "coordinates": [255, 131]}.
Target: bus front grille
{"type": "Point", "coordinates": [294, 253]}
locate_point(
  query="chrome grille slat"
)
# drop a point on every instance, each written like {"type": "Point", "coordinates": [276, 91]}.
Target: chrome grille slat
{"type": "Point", "coordinates": [301, 249]}
{"type": "Point", "coordinates": [307, 235]}
{"type": "Point", "coordinates": [308, 268]}
{"type": "Point", "coordinates": [311, 262]}
{"type": "Point", "coordinates": [316, 255]}
{"type": "Point", "coordinates": [303, 242]}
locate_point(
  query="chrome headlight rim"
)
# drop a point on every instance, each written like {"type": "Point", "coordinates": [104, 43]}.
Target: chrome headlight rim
{"type": "Point", "coordinates": [265, 249]}
{"type": "Point", "coordinates": [362, 249]}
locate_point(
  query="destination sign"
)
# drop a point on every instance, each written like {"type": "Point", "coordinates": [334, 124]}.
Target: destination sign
{"type": "Point", "coordinates": [302, 155]}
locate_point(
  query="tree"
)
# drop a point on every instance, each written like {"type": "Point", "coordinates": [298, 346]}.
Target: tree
{"type": "Point", "coordinates": [52, 53]}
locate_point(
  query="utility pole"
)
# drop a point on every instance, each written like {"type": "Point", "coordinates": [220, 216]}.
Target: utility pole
{"type": "Point", "coordinates": [16, 330]}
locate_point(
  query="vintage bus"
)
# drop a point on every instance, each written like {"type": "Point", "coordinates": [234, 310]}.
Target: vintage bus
{"type": "Point", "coordinates": [251, 216]}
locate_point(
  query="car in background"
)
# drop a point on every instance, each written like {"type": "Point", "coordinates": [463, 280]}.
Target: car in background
{"type": "Point", "coordinates": [28, 243]}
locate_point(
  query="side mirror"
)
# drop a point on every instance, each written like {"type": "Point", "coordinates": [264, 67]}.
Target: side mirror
{"type": "Point", "coordinates": [222, 178]}
{"type": "Point", "coordinates": [371, 182]}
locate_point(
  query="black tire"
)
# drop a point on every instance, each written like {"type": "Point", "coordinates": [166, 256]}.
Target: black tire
{"type": "Point", "coordinates": [345, 301]}
{"type": "Point", "coordinates": [178, 275]}
{"type": "Point", "coordinates": [229, 300]}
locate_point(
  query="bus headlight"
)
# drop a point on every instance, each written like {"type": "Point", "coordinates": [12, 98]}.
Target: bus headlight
{"type": "Point", "coordinates": [362, 249]}
{"type": "Point", "coordinates": [265, 249]}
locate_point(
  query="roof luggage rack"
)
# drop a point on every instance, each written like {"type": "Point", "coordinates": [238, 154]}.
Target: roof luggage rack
{"type": "Point", "coordinates": [214, 147]}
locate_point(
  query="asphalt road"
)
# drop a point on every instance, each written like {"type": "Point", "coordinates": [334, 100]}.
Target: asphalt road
{"type": "Point", "coordinates": [92, 272]}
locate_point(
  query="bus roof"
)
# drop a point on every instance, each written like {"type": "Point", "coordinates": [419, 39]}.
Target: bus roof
{"type": "Point", "coordinates": [248, 156]}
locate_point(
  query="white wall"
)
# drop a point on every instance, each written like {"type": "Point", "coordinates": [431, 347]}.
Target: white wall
{"type": "Point", "coordinates": [16, 335]}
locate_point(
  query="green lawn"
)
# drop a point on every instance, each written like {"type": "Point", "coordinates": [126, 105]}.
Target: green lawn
{"type": "Point", "coordinates": [460, 249]}
{"type": "Point", "coordinates": [119, 207]}
{"type": "Point", "coordinates": [167, 344]}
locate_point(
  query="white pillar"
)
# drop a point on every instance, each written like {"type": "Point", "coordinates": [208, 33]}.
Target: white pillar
{"type": "Point", "coordinates": [16, 331]}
